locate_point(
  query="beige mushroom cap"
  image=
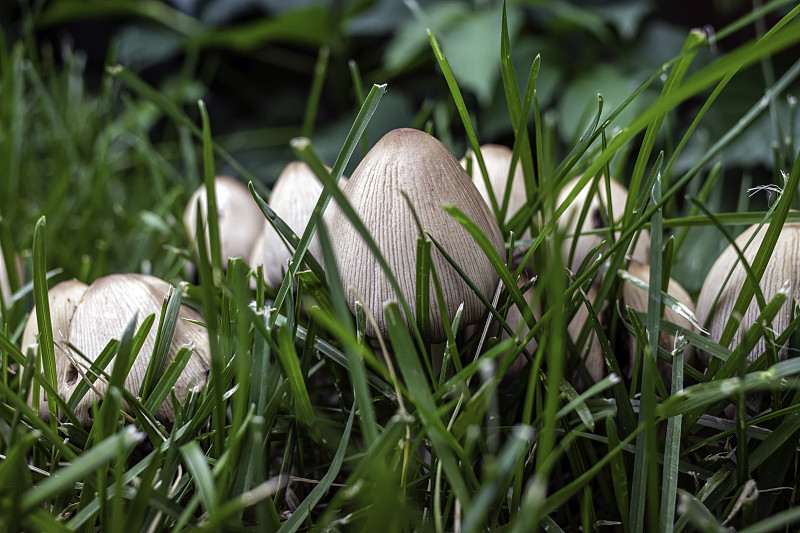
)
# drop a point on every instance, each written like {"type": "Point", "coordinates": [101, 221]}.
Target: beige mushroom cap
{"type": "Point", "coordinates": [107, 307]}
{"type": "Point", "coordinates": [781, 269]}
{"type": "Point", "coordinates": [240, 219]}
{"type": "Point", "coordinates": [595, 217]}
{"type": "Point", "coordinates": [498, 161]}
{"type": "Point", "coordinates": [415, 162]}
{"type": "Point", "coordinates": [636, 298]}
{"type": "Point", "coordinates": [293, 198]}
{"type": "Point", "coordinates": [63, 299]}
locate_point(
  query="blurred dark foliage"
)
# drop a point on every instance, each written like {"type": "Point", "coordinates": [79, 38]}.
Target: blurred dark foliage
{"type": "Point", "coordinates": [253, 61]}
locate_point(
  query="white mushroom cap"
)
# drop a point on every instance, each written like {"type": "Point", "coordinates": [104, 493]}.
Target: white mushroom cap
{"type": "Point", "coordinates": [293, 198]}
{"type": "Point", "coordinates": [498, 160]}
{"type": "Point", "coordinates": [412, 161]}
{"type": "Point", "coordinates": [781, 269]}
{"type": "Point", "coordinates": [240, 219]}
{"type": "Point", "coordinates": [636, 298]}
{"type": "Point", "coordinates": [107, 307]}
{"type": "Point", "coordinates": [595, 217]}
{"type": "Point", "coordinates": [63, 299]}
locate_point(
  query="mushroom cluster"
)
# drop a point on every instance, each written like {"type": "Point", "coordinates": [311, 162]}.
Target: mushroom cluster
{"type": "Point", "coordinates": [89, 317]}
{"type": "Point", "coordinates": [719, 293]}
{"type": "Point", "coordinates": [412, 162]}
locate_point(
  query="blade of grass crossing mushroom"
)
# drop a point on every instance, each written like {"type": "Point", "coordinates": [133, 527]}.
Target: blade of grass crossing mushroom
{"type": "Point", "coordinates": [445, 447]}
{"type": "Point", "coordinates": [166, 327]}
{"type": "Point", "coordinates": [96, 369]}
{"type": "Point", "coordinates": [763, 255]}
{"type": "Point", "coordinates": [211, 312]}
{"type": "Point", "coordinates": [494, 258]}
{"type": "Point", "coordinates": [304, 151]}
{"type": "Point", "coordinates": [355, 364]}
{"type": "Point", "coordinates": [212, 216]}
{"type": "Point", "coordinates": [42, 304]}
{"type": "Point", "coordinates": [315, 496]}
{"type": "Point", "coordinates": [168, 379]}
{"type": "Point", "coordinates": [461, 107]}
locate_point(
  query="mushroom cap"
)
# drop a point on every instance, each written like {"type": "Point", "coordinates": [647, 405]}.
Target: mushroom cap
{"type": "Point", "coordinates": [637, 298]}
{"type": "Point", "coordinates": [415, 162]}
{"type": "Point", "coordinates": [595, 219]}
{"type": "Point", "coordinates": [781, 269]}
{"type": "Point", "coordinates": [240, 219]}
{"type": "Point", "coordinates": [498, 160]}
{"type": "Point", "coordinates": [293, 198]}
{"type": "Point", "coordinates": [63, 299]}
{"type": "Point", "coordinates": [107, 307]}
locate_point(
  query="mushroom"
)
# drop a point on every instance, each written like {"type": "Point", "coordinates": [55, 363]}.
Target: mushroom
{"type": "Point", "coordinates": [104, 312]}
{"type": "Point", "coordinates": [293, 198]}
{"type": "Point", "coordinates": [411, 161]}
{"type": "Point", "coordinates": [240, 219]}
{"type": "Point", "coordinates": [589, 351]}
{"type": "Point", "coordinates": [63, 299]}
{"type": "Point", "coordinates": [637, 298]}
{"type": "Point", "coordinates": [498, 161]}
{"type": "Point", "coordinates": [781, 270]}
{"type": "Point", "coordinates": [596, 218]}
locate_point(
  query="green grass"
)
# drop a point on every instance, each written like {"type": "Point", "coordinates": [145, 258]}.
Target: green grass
{"type": "Point", "coordinates": [306, 425]}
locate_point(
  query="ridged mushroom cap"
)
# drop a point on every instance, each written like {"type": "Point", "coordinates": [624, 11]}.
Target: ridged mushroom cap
{"type": "Point", "coordinates": [636, 298]}
{"type": "Point", "coordinates": [107, 307]}
{"type": "Point", "coordinates": [595, 219]}
{"type": "Point", "coordinates": [63, 299]}
{"type": "Point", "coordinates": [415, 162]}
{"type": "Point", "coordinates": [498, 160]}
{"type": "Point", "coordinates": [781, 269]}
{"type": "Point", "coordinates": [240, 219]}
{"type": "Point", "coordinates": [293, 198]}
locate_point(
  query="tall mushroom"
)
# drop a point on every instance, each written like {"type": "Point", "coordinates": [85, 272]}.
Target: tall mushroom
{"type": "Point", "coordinates": [63, 298]}
{"type": "Point", "coordinates": [240, 219]}
{"type": "Point", "coordinates": [781, 269]}
{"type": "Point", "coordinates": [104, 312]}
{"type": "Point", "coordinates": [293, 198]}
{"type": "Point", "coordinates": [596, 218]}
{"type": "Point", "coordinates": [411, 161]}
